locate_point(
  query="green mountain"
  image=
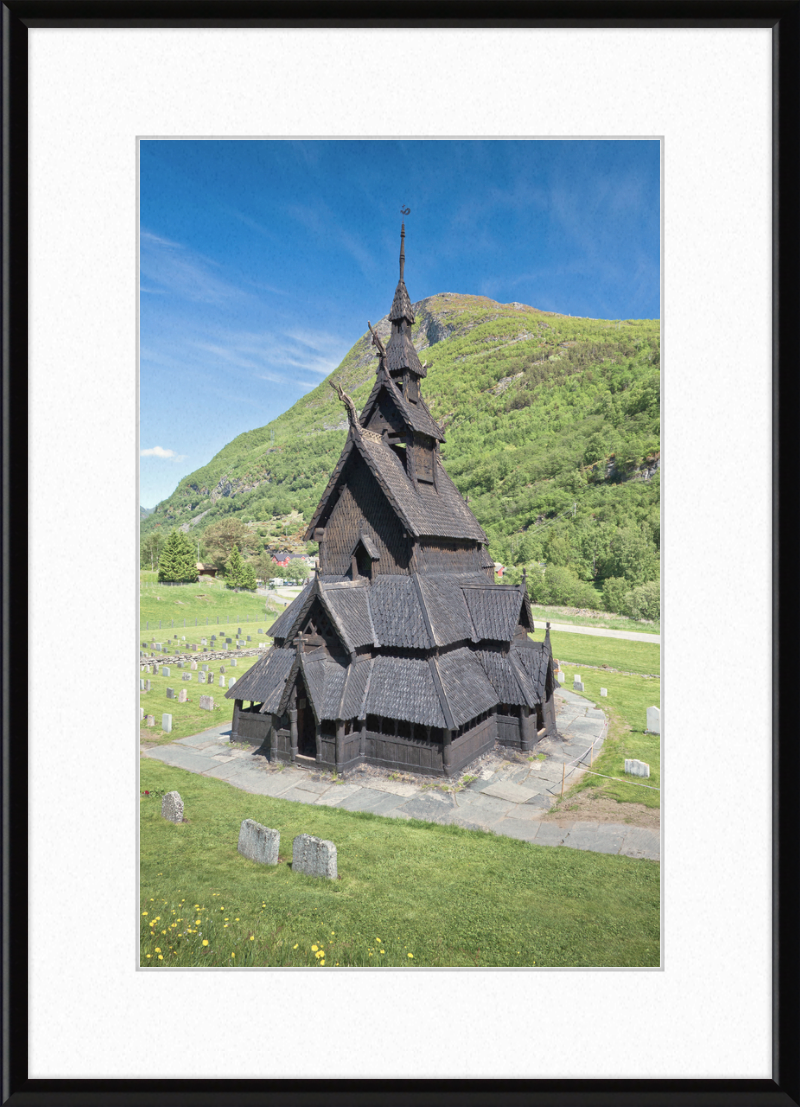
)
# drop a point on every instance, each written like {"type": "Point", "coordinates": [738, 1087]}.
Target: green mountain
{"type": "Point", "coordinates": [552, 426]}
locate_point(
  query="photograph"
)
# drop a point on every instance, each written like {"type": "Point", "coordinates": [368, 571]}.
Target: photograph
{"type": "Point", "coordinates": [400, 553]}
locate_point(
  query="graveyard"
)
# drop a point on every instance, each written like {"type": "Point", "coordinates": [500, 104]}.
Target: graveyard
{"type": "Point", "coordinates": [478, 899]}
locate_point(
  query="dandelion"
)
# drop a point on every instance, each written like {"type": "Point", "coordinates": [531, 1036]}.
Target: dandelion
{"type": "Point", "coordinates": [205, 941]}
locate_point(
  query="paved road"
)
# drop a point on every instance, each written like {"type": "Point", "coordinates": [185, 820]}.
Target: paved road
{"type": "Point", "coordinates": [602, 632]}
{"type": "Point", "coordinates": [508, 797]}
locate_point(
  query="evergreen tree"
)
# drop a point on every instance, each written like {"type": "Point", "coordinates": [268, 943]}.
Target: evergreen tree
{"type": "Point", "coordinates": [177, 560]}
{"type": "Point", "coordinates": [234, 569]}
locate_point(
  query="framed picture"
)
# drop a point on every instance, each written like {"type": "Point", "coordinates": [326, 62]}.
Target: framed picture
{"type": "Point", "coordinates": [83, 85]}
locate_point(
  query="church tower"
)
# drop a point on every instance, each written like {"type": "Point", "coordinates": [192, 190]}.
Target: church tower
{"type": "Point", "coordinates": [401, 651]}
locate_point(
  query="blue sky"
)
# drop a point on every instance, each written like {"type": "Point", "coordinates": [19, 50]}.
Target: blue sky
{"type": "Point", "coordinates": [261, 261]}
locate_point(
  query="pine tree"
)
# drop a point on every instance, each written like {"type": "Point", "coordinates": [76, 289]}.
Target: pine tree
{"type": "Point", "coordinates": [234, 569]}
{"type": "Point", "coordinates": [177, 560]}
{"type": "Point", "coordinates": [248, 578]}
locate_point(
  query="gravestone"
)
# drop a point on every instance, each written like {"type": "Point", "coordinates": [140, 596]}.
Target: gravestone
{"type": "Point", "coordinates": [150, 720]}
{"type": "Point", "coordinates": [314, 856]}
{"type": "Point", "coordinates": [231, 681]}
{"type": "Point", "coordinates": [166, 724]}
{"type": "Point", "coordinates": [207, 703]}
{"type": "Point", "coordinates": [637, 768]}
{"type": "Point", "coordinates": [654, 720]}
{"type": "Point", "coordinates": [258, 843]}
{"type": "Point", "coordinates": [603, 691]}
{"type": "Point", "coordinates": [165, 670]}
{"type": "Point", "coordinates": [183, 696]}
{"type": "Point", "coordinates": [172, 807]}
{"type": "Point", "coordinates": [193, 666]}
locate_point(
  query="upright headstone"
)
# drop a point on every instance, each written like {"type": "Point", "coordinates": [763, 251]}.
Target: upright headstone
{"type": "Point", "coordinates": [172, 807]}
{"type": "Point", "coordinates": [603, 691]}
{"type": "Point", "coordinates": [183, 696]}
{"type": "Point", "coordinates": [170, 693]}
{"type": "Point", "coordinates": [165, 670]}
{"type": "Point", "coordinates": [166, 724]}
{"type": "Point", "coordinates": [654, 720]}
{"type": "Point", "coordinates": [637, 768]}
{"type": "Point", "coordinates": [207, 703]}
{"type": "Point", "coordinates": [314, 856]}
{"type": "Point", "coordinates": [258, 843]}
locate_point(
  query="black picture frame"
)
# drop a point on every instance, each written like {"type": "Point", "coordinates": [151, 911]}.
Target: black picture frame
{"type": "Point", "coordinates": [783, 17]}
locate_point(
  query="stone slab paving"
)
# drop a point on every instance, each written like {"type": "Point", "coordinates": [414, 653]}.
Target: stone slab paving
{"type": "Point", "coordinates": [508, 799]}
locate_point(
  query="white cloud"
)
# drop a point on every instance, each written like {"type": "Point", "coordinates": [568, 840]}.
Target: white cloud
{"type": "Point", "coordinates": [158, 451]}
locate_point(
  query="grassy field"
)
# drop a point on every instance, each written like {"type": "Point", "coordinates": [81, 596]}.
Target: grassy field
{"type": "Point", "coordinates": [187, 718]}
{"type": "Point", "coordinates": [605, 619]}
{"type": "Point", "coordinates": [616, 653]}
{"type": "Point", "coordinates": [626, 705]}
{"type": "Point", "coordinates": [478, 899]}
{"type": "Point", "coordinates": [209, 604]}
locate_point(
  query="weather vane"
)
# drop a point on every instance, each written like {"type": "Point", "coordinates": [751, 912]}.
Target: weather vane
{"type": "Point", "coordinates": [405, 211]}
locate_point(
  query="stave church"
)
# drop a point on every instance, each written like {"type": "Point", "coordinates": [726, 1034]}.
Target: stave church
{"type": "Point", "coordinates": [401, 651]}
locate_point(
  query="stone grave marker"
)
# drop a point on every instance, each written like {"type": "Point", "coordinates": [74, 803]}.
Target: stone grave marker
{"type": "Point", "coordinates": [603, 691]}
{"type": "Point", "coordinates": [636, 768]}
{"type": "Point", "coordinates": [166, 724]}
{"type": "Point", "coordinates": [172, 807]}
{"type": "Point", "coordinates": [183, 696]}
{"type": "Point", "coordinates": [654, 720]}
{"type": "Point", "coordinates": [259, 843]}
{"type": "Point", "coordinates": [170, 693]}
{"type": "Point", "coordinates": [207, 703]}
{"type": "Point", "coordinates": [314, 856]}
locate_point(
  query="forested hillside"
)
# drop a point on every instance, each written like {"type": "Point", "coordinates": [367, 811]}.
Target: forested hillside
{"type": "Point", "coordinates": [552, 427]}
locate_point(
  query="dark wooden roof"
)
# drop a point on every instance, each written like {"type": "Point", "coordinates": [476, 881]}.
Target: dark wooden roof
{"type": "Point", "coordinates": [414, 415]}
{"type": "Point", "coordinates": [419, 611]}
{"type": "Point", "coordinates": [400, 353]}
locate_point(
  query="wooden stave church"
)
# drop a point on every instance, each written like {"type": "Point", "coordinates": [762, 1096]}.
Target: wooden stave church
{"type": "Point", "coordinates": [401, 651]}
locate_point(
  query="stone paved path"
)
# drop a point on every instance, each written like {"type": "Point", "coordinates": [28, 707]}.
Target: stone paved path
{"type": "Point", "coordinates": [508, 797]}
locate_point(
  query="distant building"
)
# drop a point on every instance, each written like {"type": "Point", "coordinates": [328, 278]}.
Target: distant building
{"type": "Point", "coordinates": [401, 651]}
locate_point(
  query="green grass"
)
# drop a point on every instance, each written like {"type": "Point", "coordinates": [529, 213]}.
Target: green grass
{"type": "Point", "coordinates": [183, 604]}
{"type": "Point", "coordinates": [477, 900]}
{"type": "Point", "coordinates": [187, 718]}
{"type": "Point", "coordinates": [616, 653]}
{"type": "Point", "coordinates": [626, 705]}
{"type": "Point", "coordinates": [607, 620]}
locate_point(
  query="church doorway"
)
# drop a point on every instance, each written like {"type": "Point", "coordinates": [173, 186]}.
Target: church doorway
{"type": "Point", "coordinates": [306, 725]}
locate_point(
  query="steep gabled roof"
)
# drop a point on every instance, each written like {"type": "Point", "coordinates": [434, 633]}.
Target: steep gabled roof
{"type": "Point", "coordinates": [415, 415]}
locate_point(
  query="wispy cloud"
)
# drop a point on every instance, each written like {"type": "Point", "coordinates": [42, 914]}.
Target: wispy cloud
{"type": "Point", "coordinates": [168, 266]}
{"type": "Point", "coordinates": [159, 451]}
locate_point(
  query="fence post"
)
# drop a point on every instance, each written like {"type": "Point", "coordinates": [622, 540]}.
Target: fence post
{"type": "Point", "coordinates": [563, 772]}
